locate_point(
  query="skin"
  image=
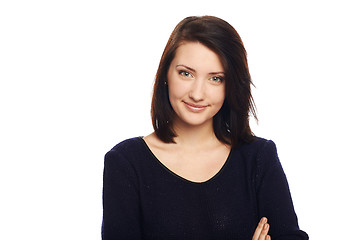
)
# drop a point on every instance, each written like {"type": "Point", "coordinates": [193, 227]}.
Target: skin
{"type": "Point", "coordinates": [261, 231]}
{"type": "Point", "coordinates": [196, 93]}
{"type": "Point", "coordinates": [196, 83]}
{"type": "Point", "coordinates": [196, 86]}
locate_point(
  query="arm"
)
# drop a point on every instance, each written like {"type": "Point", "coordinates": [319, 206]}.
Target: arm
{"type": "Point", "coordinates": [121, 211]}
{"type": "Point", "coordinates": [273, 196]}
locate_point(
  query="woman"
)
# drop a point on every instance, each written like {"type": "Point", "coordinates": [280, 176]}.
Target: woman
{"type": "Point", "coordinates": [202, 174]}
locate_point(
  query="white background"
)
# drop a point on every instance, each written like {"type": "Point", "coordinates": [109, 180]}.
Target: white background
{"type": "Point", "coordinates": [76, 78]}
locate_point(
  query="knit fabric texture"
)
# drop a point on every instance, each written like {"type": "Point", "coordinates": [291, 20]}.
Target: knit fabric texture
{"type": "Point", "coordinates": [143, 199]}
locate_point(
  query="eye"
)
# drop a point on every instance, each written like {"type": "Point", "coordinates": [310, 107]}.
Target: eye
{"type": "Point", "coordinates": [217, 79]}
{"type": "Point", "coordinates": [185, 73]}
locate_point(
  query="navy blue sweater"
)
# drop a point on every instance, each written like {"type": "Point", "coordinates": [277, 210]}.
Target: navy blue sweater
{"type": "Point", "coordinates": [142, 199]}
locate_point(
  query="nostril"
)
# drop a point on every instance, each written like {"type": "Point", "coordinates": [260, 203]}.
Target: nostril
{"type": "Point", "coordinates": [196, 98]}
{"type": "Point", "coordinates": [197, 93]}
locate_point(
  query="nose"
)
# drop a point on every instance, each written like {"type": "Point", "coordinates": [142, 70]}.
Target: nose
{"type": "Point", "coordinates": [197, 92]}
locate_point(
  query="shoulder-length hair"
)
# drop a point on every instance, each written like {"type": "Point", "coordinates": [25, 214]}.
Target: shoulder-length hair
{"type": "Point", "coordinates": [231, 123]}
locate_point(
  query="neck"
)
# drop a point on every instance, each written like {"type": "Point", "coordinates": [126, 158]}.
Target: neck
{"type": "Point", "coordinates": [194, 136]}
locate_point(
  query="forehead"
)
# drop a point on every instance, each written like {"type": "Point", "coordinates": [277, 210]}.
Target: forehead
{"type": "Point", "coordinates": [198, 56]}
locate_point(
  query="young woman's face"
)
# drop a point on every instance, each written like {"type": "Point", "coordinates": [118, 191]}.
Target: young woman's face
{"type": "Point", "coordinates": [196, 84]}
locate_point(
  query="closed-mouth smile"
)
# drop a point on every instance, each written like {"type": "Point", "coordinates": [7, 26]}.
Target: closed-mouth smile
{"type": "Point", "coordinates": [195, 107]}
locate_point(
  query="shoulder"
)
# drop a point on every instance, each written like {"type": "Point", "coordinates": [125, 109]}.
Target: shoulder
{"type": "Point", "coordinates": [265, 156]}
{"type": "Point", "coordinates": [257, 146]}
{"type": "Point", "coordinates": [259, 154]}
{"type": "Point", "coordinates": [128, 150]}
{"type": "Point", "coordinates": [128, 145]}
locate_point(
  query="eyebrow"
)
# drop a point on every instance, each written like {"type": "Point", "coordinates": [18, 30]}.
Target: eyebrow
{"type": "Point", "coordinates": [189, 68]}
{"type": "Point", "coordinates": [193, 70]}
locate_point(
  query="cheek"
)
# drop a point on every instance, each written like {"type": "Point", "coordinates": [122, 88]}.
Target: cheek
{"type": "Point", "coordinates": [176, 94]}
{"type": "Point", "coordinates": [218, 96]}
{"type": "Point", "coordinates": [177, 89]}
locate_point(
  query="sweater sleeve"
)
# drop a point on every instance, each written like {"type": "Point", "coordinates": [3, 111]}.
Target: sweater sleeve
{"type": "Point", "coordinates": [273, 196]}
{"type": "Point", "coordinates": [121, 211]}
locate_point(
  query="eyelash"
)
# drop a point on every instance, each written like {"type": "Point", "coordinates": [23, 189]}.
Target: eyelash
{"type": "Point", "coordinates": [184, 73]}
{"type": "Point", "coordinates": [187, 74]}
{"type": "Point", "coordinates": [220, 79]}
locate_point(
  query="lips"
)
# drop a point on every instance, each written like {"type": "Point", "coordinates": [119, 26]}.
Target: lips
{"type": "Point", "coordinates": [194, 107]}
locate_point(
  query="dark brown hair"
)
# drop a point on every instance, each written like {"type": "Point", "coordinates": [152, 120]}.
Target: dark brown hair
{"type": "Point", "coordinates": [231, 123]}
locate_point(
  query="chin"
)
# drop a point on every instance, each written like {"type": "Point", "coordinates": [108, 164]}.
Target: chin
{"type": "Point", "coordinates": [196, 122]}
